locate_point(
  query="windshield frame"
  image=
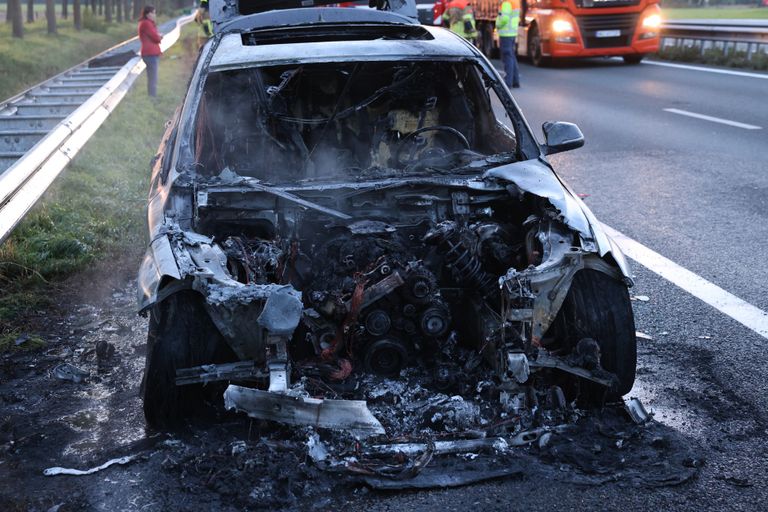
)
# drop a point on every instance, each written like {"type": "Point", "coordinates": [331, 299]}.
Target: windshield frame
{"type": "Point", "coordinates": [184, 161]}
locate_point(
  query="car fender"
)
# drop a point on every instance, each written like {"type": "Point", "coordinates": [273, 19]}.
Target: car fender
{"type": "Point", "coordinates": [159, 265]}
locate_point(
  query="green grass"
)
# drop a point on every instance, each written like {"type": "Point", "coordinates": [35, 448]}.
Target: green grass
{"type": "Point", "coordinates": [16, 342]}
{"type": "Point", "coordinates": [25, 62]}
{"type": "Point", "coordinates": [96, 208]}
{"type": "Point", "coordinates": [715, 13]}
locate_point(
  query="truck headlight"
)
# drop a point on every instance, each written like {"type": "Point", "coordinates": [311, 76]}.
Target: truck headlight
{"type": "Point", "coordinates": [652, 21]}
{"type": "Point", "coordinates": [562, 26]}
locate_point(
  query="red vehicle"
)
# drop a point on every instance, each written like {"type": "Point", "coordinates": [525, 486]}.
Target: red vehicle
{"type": "Point", "coordinates": [551, 29]}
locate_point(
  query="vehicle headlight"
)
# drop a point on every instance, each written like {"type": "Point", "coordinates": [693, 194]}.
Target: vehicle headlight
{"type": "Point", "coordinates": [652, 21]}
{"type": "Point", "coordinates": [562, 26]}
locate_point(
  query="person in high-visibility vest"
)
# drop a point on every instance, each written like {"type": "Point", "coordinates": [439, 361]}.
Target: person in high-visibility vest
{"type": "Point", "coordinates": [506, 26]}
{"type": "Point", "coordinates": [203, 18]}
{"type": "Point", "coordinates": [460, 19]}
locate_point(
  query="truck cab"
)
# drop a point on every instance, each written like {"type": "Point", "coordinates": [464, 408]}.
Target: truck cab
{"type": "Point", "coordinates": [552, 29]}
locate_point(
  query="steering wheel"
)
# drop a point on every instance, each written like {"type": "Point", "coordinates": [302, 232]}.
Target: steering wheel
{"type": "Point", "coordinates": [408, 139]}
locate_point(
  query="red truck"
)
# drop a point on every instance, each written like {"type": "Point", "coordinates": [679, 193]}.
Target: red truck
{"type": "Point", "coordinates": [552, 29]}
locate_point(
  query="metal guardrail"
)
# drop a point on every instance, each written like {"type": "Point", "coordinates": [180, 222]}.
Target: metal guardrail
{"type": "Point", "coordinates": [44, 127]}
{"type": "Point", "coordinates": [736, 35]}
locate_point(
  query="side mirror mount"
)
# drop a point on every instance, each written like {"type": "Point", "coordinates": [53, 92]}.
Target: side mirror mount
{"type": "Point", "coordinates": [561, 136]}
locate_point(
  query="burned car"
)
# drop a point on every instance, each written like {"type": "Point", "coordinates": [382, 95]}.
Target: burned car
{"type": "Point", "coordinates": [350, 205]}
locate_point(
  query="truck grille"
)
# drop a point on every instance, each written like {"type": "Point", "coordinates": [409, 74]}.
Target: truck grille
{"type": "Point", "coordinates": [591, 25]}
{"type": "Point", "coordinates": [587, 4]}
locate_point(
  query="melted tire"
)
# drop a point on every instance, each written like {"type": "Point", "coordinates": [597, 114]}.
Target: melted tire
{"type": "Point", "coordinates": [598, 306]}
{"type": "Point", "coordinates": [181, 335]}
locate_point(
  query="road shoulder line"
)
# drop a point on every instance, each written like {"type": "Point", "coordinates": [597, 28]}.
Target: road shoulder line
{"type": "Point", "coordinates": [712, 119]}
{"type": "Point", "coordinates": [707, 70]}
{"type": "Point", "coordinates": [743, 312]}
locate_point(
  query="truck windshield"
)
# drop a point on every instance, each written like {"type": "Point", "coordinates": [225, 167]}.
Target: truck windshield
{"type": "Point", "coordinates": [311, 122]}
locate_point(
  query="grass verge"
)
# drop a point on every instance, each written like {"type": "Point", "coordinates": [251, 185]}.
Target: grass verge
{"type": "Point", "coordinates": [715, 57]}
{"type": "Point", "coordinates": [692, 13]}
{"type": "Point", "coordinates": [96, 210]}
{"type": "Point", "coordinates": [25, 62]}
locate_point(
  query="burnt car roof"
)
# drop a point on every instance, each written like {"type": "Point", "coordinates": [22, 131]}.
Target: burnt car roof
{"type": "Point", "coordinates": [236, 51]}
{"type": "Point", "coordinates": [309, 16]}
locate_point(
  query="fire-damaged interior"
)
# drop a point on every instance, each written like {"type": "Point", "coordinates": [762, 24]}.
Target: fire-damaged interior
{"type": "Point", "coordinates": [287, 123]}
{"type": "Point", "coordinates": [366, 248]}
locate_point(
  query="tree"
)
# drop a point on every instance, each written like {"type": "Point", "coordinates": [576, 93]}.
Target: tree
{"type": "Point", "coordinates": [64, 9]}
{"type": "Point", "coordinates": [50, 15]}
{"type": "Point", "coordinates": [14, 11]}
{"type": "Point", "coordinates": [119, 10]}
{"type": "Point", "coordinates": [137, 6]}
{"type": "Point", "coordinates": [77, 14]}
{"type": "Point", "coordinates": [108, 11]}
{"type": "Point", "coordinates": [30, 11]}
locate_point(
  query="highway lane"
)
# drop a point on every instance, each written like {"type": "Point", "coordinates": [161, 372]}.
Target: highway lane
{"type": "Point", "coordinates": [693, 190]}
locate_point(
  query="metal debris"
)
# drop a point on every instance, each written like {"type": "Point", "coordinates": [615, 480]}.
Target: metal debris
{"type": "Point", "coordinates": [643, 336]}
{"type": "Point", "coordinates": [636, 411]}
{"type": "Point", "coordinates": [22, 339]}
{"type": "Point", "coordinates": [66, 371]}
{"type": "Point", "coordinates": [78, 472]}
{"type": "Point", "coordinates": [498, 444]}
{"type": "Point", "coordinates": [350, 415]}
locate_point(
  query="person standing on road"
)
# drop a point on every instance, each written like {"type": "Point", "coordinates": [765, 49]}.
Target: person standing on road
{"type": "Point", "coordinates": [506, 25]}
{"type": "Point", "coordinates": [203, 18]}
{"type": "Point", "coordinates": [460, 19]}
{"type": "Point", "coordinates": [150, 47]}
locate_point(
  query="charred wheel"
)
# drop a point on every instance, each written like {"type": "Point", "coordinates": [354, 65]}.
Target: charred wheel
{"type": "Point", "coordinates": [181, 335]}
{"type": "Point", "coordinates": [598, 307]}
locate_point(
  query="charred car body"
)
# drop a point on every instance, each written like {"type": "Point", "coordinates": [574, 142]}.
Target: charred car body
{"type": "Point", "coordinates": [346, 195]}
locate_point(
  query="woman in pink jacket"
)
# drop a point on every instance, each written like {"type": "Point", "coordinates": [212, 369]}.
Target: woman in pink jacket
{"type": "Point", "coordinates": [150, 46]}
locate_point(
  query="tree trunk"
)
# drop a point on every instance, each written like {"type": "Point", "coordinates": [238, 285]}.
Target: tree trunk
{"type": "Point", "coordinates": [30, 11]}
{"type": "Point", "coordinates": [77, 15]}
{"type": "Point", "coordinates": [14, 12]}
{"type": "Point", "coordinates": [137, 6]}
{"type": "Point", "coordinates": [119, 10]}
{"type": "Point", "coordinates": [108, 11]}
{"type": "Point", "coordinates": [101, 7]}
{"type": "Point", "coordinates": [64, 9]}
{"type": "Point", "coordinates": [50, 15]}
{"type": "Point", "coordinates": [93, 7]}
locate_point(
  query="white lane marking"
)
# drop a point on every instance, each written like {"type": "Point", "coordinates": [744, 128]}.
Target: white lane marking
{"type": "Point", "coordinates": [707, 70]}
{"type": "Point", "coordinates": [713, 119]}
{"type": "Point", "coordinates": [743, 312]}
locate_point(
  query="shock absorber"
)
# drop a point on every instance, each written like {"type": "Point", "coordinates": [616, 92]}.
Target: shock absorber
{"type": "Point", "coordinates": [466, 267]}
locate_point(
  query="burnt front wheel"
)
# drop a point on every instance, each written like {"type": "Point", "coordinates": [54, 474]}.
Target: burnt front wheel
{"type": "Point", "coordinates": [181, 335]}
{"type": "Point", "coordinates": [597, 306]}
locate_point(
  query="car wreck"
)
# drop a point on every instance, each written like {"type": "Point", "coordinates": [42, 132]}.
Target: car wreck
{"type": "Point", "coordinates": [354, 229]}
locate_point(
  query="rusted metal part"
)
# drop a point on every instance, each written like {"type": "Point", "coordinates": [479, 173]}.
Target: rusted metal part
{"type": "Point", "coordinates": [349, 415]}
